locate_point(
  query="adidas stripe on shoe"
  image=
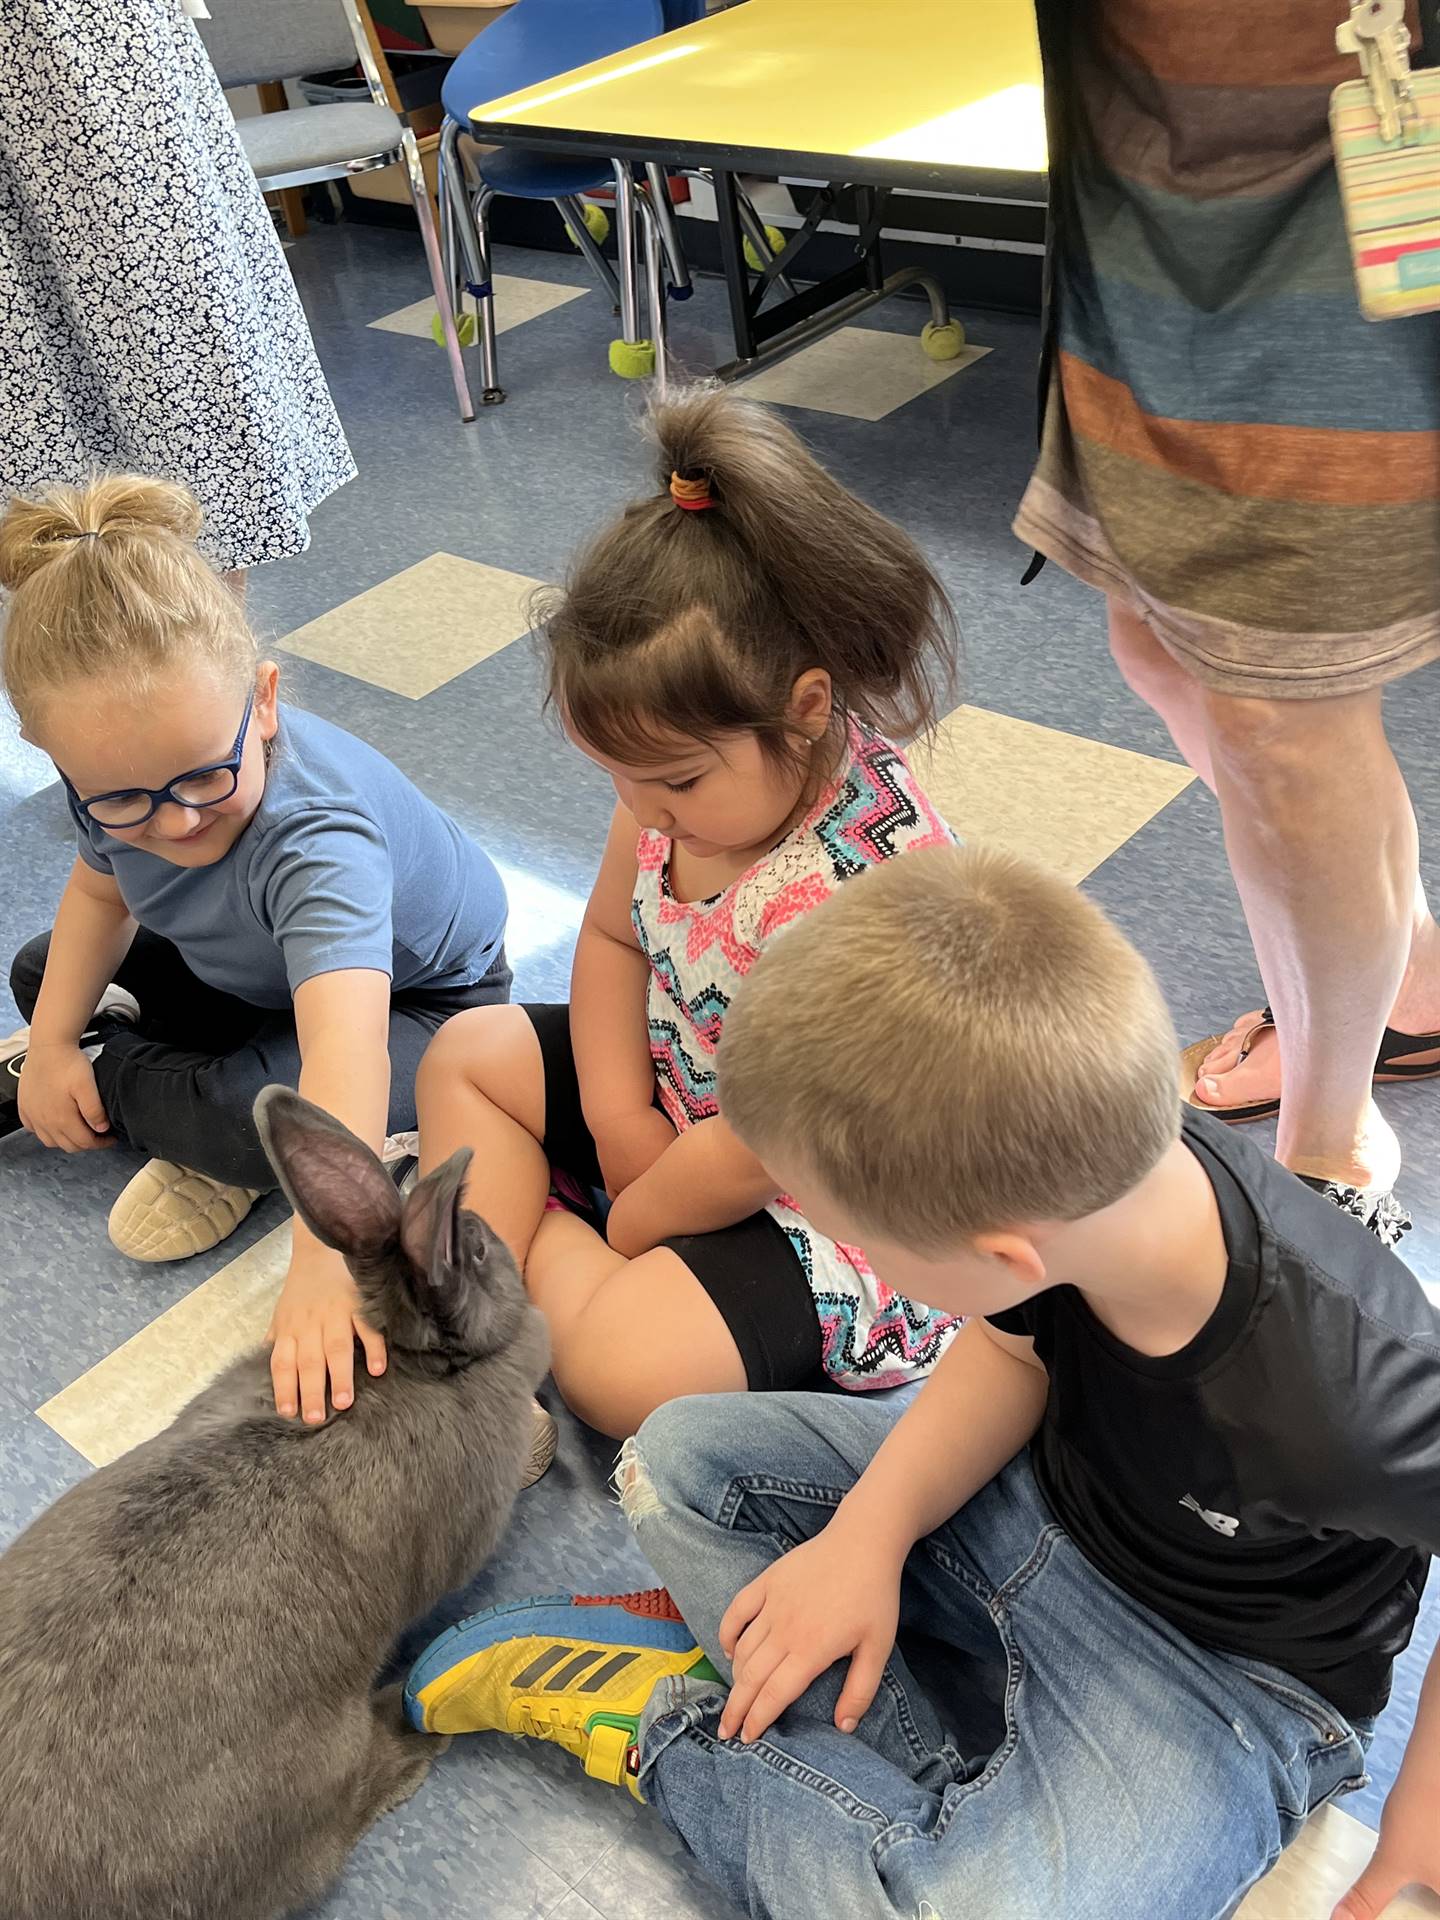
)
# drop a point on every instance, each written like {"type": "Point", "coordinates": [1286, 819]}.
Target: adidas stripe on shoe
{"type": "Point", "coordinates": [574, 1670]}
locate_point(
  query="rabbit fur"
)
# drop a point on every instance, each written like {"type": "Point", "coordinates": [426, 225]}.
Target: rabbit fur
{"type": "Point", "coordinates": [189, 1640]}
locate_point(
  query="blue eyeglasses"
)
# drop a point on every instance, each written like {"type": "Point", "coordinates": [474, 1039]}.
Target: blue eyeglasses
{"type": "Point", "coordinates": [201, 787]}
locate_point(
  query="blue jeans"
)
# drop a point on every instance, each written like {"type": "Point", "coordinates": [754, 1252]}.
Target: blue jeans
{"type": "Point", "coordinates": [1041, 1745]}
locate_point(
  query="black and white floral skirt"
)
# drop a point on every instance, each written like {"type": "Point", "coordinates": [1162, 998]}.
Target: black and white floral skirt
{"type": "Point", "coordinates": [148, 320]}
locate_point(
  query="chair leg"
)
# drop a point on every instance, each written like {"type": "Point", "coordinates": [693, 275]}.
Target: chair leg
{"type": "Point", "coordinates": [420, 195]}
{"type": "Point", "coordinates": [625, 240]}
{"type": "Point", "coordinates": [653, 229]}
{"type": "Point", "coordinates": [467, 251]}
{"type": "Point", "coordinates": [478, 227]}
{"type": "Point", "coordinates": [680, 287]}
{"type": "Point", "coordinates": [572, 212]}
{"type": "Point", "coordinates": [451, 187]}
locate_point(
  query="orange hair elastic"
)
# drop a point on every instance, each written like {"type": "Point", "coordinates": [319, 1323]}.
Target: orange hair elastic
{"type": "Point", "coordinates": [693, 495]}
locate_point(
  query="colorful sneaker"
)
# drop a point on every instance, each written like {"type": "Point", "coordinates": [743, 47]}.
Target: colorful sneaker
{"type": "Point", "coordinates": [577, 1671]}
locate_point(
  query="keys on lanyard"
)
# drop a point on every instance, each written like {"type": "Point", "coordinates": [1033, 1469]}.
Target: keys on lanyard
{"type": "Point", "coordinates": [1377, 34]}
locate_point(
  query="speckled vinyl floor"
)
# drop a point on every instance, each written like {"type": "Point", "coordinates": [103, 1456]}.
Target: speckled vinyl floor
{"type": "Point", "coordinates": [404, 623]}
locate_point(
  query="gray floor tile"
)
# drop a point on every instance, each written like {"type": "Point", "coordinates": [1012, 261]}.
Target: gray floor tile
{"type": "Point", "coordinates": [652, 1874]}
{"type": "Point", "coordinates": [36, 1467]}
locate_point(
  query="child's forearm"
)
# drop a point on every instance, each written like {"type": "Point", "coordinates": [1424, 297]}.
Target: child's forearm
{"type": "Point", "coordinates": [342, 1021]}
{"type": "Point", "coordinates": [608, 1028]}
{"type": "Point", "coordinates": [1420, 1769]}
{"type": "Point", "coordinates": [1409, 1850]}
{"type": "Point", "coordinates": [978, 1409]}
{"type": "Point", "coordinates": [343, 1024]}
{"type": "Point", "coordinates": [706, 1179]}
{"type": "Point", "coordinates": [93, 932]}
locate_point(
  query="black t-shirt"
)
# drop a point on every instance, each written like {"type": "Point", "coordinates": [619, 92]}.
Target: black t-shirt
{"type": "Point", "coordinates": [1272, 1489]}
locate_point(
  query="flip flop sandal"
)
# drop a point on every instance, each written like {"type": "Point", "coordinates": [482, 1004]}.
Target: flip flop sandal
{"type": "Point", "coordinates": [1241, 1112]}
{"type": "Point", "coordinates": [1391, 1065]}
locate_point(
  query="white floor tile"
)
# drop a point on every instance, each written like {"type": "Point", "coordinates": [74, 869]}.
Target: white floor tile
{"type": "Point", "coordinates": [516, 301]}
{"type": "Point", "coordinates": [859, 372]}
{"type": "Point", "coordinates": [421, 627]}
{"type": "Point", "coordinates": [135, 1392]}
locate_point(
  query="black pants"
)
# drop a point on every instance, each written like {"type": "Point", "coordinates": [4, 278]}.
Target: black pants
{"type": "Point", "coordinates": [180, 1085]}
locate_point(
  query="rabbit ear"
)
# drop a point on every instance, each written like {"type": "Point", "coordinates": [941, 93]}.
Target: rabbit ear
{"type": "Point", "coordinates": [430, 1235]}
{"type": "Point", "coordinates": [332, 1180]}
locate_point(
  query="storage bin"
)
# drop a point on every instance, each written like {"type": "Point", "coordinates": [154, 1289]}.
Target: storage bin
{"type": "Point", "coordinates": [453, 24]}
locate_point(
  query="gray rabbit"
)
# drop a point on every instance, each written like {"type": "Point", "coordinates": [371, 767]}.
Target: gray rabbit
{"type": "Point", "coordinates": [189, 1640]}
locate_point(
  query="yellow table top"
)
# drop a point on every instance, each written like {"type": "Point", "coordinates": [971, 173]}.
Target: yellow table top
{"type": "Point", "coordinates": [916, 87]}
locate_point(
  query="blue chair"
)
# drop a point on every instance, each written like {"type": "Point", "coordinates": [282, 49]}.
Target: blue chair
{"type": "Point", "coordinates": [533, 42]}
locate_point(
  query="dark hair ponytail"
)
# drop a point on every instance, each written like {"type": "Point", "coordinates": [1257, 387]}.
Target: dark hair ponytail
{"type": "Point", "coordinates": [699, 622]}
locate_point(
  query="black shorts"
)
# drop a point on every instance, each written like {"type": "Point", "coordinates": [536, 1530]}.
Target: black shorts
{"type": "Point", "coordinates": [751, 1271]}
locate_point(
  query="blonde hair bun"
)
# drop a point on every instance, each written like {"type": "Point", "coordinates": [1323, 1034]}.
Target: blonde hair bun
{"type": "Point", "coordinates": [35, 532]}
{"type": "Point", "coordinates": [107, 581]}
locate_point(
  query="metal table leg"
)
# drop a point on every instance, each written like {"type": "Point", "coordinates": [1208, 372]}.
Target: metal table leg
{"type": "Point", "coordinates": [732, 259]}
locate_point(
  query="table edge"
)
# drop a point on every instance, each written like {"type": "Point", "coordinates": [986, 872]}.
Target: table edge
{"type": "Point", "coordinates": [854, 169]}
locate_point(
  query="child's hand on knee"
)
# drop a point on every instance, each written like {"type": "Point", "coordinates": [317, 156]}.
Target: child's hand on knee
{"type": "Point", "coordinates": [313, 1334]}
{"type": "Point", "coordinates": [829, 1599]}
{"type": "Point", "coordinates": [629, 1145]}
{"type": "Point", "coordinates": [59, 1101]}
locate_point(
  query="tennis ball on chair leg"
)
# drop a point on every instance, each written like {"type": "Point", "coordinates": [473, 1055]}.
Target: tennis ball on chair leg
{"type": "Point", "coordinates": [774, 239]}
{"type": "Point", "coordinates": [464, 326]}
{"type": "Point", "coordinates": [597, 225]}
{"type": "Point", "coordinates": [632, 359]}
{"type": "Point", "coordinates": [945, 342]}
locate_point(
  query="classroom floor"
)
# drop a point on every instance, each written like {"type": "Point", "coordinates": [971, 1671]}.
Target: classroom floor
{"type": "Point", "coordinates": [403, 623]}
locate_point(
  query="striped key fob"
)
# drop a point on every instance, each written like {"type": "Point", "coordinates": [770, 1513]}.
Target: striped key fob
{"type": "Point", "coordinates": [1391, 195]}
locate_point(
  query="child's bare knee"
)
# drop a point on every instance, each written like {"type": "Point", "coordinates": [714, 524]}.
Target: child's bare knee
{"type": "Point", "coordinates": [651, 1474]}
{"type": "Point", "coordinates": [465, 1048]}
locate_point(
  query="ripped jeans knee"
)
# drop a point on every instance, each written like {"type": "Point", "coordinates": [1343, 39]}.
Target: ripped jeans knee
{"type": "Point", "coordinates": [632, 1486]}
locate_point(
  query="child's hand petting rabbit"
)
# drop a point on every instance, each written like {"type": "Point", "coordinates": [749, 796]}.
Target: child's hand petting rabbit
{"type": "Point", "coordinates": [191, 1637]}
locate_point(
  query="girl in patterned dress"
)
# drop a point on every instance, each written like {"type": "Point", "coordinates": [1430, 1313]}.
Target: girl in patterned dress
{"type": "Point", "coordinates": [737, 652]}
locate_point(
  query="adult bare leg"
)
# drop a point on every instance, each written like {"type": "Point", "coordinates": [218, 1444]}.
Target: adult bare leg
{"type": "Point", "coordinates": [1323, 846]}
{"type": "Point", "coordinates": [1163, 684]}
{"type": "Point", "coordinates": [1340, 735]}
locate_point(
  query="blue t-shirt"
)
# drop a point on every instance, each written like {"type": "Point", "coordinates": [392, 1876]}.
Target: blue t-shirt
{"type": "Point", "coordinates": [345, 864]}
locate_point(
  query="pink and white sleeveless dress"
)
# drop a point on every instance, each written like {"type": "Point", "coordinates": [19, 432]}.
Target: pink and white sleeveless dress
{"type": "Point", "coordinates": [700, 950]}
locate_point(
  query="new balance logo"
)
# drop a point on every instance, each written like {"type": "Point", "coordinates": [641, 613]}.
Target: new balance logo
{"type": "Point", "coordinates": [1225, 1523]}
{"type": "Point", "coordinates": [576, 1660]}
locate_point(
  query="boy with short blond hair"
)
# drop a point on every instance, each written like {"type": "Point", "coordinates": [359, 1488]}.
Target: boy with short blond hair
{"type": "Point", "coordinates": [1098, 1622]}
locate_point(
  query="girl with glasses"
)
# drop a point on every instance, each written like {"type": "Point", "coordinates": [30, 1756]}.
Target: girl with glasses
{"type": "Point", "coordinates": [257, 896]}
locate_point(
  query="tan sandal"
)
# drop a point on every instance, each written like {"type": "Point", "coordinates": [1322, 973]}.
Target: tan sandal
{"type": "Point", "coordinates": [544, 1439]}
{"type": "Point", "coordinates": [169, 1212]}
